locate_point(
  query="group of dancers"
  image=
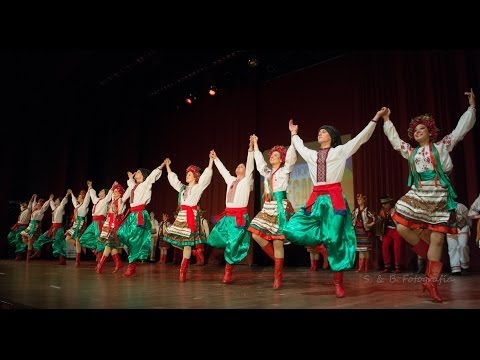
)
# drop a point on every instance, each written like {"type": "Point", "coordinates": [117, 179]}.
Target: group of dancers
{"type": "Point", "coordinates": [422, 216]}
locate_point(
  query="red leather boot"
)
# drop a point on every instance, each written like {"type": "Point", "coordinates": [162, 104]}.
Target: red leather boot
{"type": "Point", "coordinates": [278, 272]}
{"type": "Point", "coordinates": [200, 258]}
{"type": "Point", "coordinates": [361, 264]}
{"type": "Point", "coordinates": [100, 264]}
{"type": "Point", "coordinates": [433, 272]}
{"type": "Point", "coordinates": [338, 282]}
{"type": "Point", "coordinates": [118, 262]}
{"type": "Point", "coordinates": [183, 270]}
{"type": "Point", "coordinates": [131, 269]}
{"type": "Point", "coordinates": [421, 248]}
{"type": "Point", "coordinates": [227, 279]}
{"type": "Point", "coordinates": [323, 250]}
{"type": "Point", "coordinates": [269, 250]}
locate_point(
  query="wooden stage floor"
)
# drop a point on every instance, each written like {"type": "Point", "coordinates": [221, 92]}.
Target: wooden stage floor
{"type": "Point", "coordinates": [43, 284]}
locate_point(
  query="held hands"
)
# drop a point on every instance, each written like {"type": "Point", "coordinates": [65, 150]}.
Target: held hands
{"type": "Point", "coordinates": [212, 155]}
{"type": "Point", "coordinates": [89, 184]}
{"type": "Point", "coordinates": [386, 116]}
{"type": "Point", "coordinates": [250, 144]}
{"type": "Point", "coordinates": [162, 165]}
{"type": "Point", "coordinates": [129, 174]}
{"type": "Point", "coordinates": [381, 113]}
{"type": "Point", "coordinates": [471, 97]}
{"type": "Point", "coordinates": [293, 128]}
{"type": "Point", "coordinates": [165, 217]}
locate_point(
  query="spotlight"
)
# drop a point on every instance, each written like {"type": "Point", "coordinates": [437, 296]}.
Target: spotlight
{"type": "Point", "coordinates": [190, 99]}
{"type": "Point", "coordinates": [253, 62]}
{"type": "Point", "coordinates": [212, 91]}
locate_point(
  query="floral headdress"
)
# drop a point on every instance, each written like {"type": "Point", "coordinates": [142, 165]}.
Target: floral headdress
{"type": "Point", "coordinates": [281, 149]}
{"type": "Point", "coordinates": [195, 170]}
{"type": "Point", "coordinates": [426, 120]}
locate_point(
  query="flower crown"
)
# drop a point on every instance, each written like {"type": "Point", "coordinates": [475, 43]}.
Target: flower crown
{"type": "Point", "coordinates": [426, 120]}
{"type": "Point", "coordinates": [281, 150]}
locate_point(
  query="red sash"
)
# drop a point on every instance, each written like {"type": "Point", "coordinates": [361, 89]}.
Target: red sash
{"type": "Point", "coordinates": [336, 196]}
{"type": "Point", "coordinates": [139, 210]}
{"type": "Point", "coordinates": [99, 219]}
{"type": "Point", "coordinates": [237, 212]}
{"type": "Point", "coordinates": [190, 217]}
{"type": "Point", "coordinates": [17, 225]}
{"type": "Point", "coordinates": [53, 229]}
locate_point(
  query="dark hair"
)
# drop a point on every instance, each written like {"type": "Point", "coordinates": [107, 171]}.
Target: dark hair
{"type": "Point", "coordinates": [334, 134]}
{"type": "Point", "coordinates": [145, 172]}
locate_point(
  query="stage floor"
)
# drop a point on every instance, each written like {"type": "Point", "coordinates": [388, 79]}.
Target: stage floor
{"type": "Point", "coordinates": [42, 284]}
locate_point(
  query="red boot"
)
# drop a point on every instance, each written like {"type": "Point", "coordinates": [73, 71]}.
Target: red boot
{"type": "Point", "coordinates": [183, 270]}
{"type": "Point", "coordinates": [314, 266]}
{"type": "Point", "coordinates": [62, 261]}
{"type": "Point", "coordinates": [269, 250]}
{"type": "Point", "coordinates": [323, 250]}
{"type": "Point", "coordinates": [421, 248]}
{"type": "Point", "coordinates": [200, 257]}
{"type": "Point", "coordinates": [433, 272]}
{"type": "Point", "coordinates": [227, 279]}
{"type": "Point", "coordinates": [162, 259]}
{"type": "Point", "coordinates": [18, 257]}
{"type": "Point", "coordinates": [118, 262]}
{"type": "Point", "coordinates": [366, 265]}
{"type": "Point", "coordinates": [77, 260]}
{"type": "Point", "coordinates": [361, 264]}
{"type": "Point", "coordinates": [278, 272]}
{"type": "Point", "coordinates": [131, 269]}
{"type": "Point", "coordinates": [338, 282]}
{"type": "Point", "coordinates": [100, 264]}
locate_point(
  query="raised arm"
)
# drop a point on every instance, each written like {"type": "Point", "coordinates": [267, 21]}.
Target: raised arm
{"type": "Point", "coordinates": [250, 165]}
{"type": "Point", "coordinates": [309, 155]}
{"type": "Point", "coordinates": [464, 125]}
{"type": "Point", "coordinates": [206, 176]}
{"type": "Point", "coordinates": [172, 177]}
{"type": "Point", "coordinates": [221, 168]}
{"type": "Point", "coordinates": [262, 166]}
{"type": "Point", "coordinates": [290, 158]}
{"type": "Point", "coordinates": [398, 144]}
{"type": "Point", "coordinates": [352, 146]}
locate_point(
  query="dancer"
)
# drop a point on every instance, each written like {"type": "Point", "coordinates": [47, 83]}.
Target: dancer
{"type": "Point", "coordinates": [230, 232]}
{"type": "Point", "coordinates": [268, 225]}
{"type": "Point", "coordinates": [136, 231]}
{"type": "Point", "coordinates": [108, 236]}
{"type": "Point", "coordinates": [326, 217]}
{"type": "Point", "coordinates": [185, 231]}
{"type": "Point", "coordinates": [429, 205]}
